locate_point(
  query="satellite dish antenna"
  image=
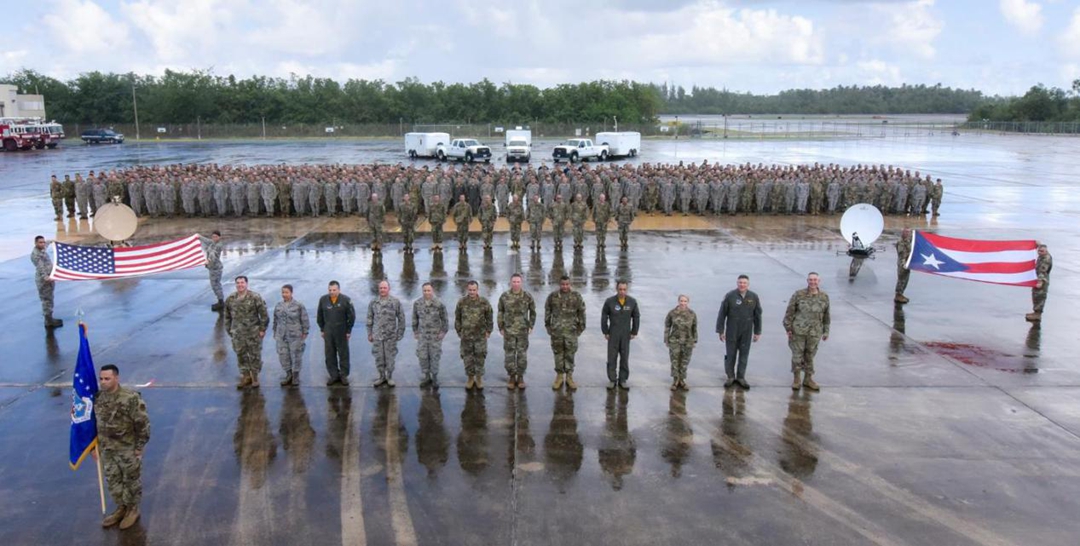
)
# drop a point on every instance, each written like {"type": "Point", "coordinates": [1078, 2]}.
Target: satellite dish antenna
{"type": "Point", "coordinates": [115, 221]}
{"type": "Point", "coordinates": [863, 219]}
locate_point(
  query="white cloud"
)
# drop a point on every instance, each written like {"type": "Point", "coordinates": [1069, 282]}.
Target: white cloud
{"type": "Point", "coordinates": [908, 27]}
{"type": "Point", "coordinates": [1025, 16]}
{"type": "Point", "coordinates": [83, 28]}
{"type": "Point", "coordinates": [181, 31]}
{"type": "Point", "coordinates": [878, 72]}
{"type": "Point", "coordinates": [1069, 40]}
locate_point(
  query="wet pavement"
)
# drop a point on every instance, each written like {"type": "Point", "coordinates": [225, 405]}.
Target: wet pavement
{"type": "Point", "coordinates": [951, 421]}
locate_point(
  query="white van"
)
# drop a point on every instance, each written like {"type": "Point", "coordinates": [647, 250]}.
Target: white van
{"type": "Point", "coordinates": [518, 145]}
{"type": "Point", "coordinates": [626, 144]}
{"type": "Point", "coordinates": [425, 144]}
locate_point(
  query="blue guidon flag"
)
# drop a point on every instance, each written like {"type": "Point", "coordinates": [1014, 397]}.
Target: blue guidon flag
{"type": "Point", "coordinates": [998, 262]}
{"type": "Point", "coordinates": [84, 388]}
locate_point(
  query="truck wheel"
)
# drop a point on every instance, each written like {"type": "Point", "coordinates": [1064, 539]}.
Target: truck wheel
{"type": "Point", "coordinates": [603, 156]}
{"type": "Point", "coordinates": [633, 152]}
{"type": "Point", "coordinates": [51, 145]}
{"type": "Point", "coordinates": [10, 145]}
{"type": "Point", "coordinates": [487, 161]}
{"type": "Point", "coordinates": [468, 157]}
{"type": "Point", "coordinates": [39, 145]}
{"type": "Point", "coordinates": [573, 157]}
{"type": "Point", "coordinates": [440, 156]}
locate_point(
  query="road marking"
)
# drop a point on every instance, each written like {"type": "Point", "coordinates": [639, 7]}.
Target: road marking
{"type": "Point", "coordinates": [352, 506]}
{"type": "Point", "coordinates": [400, 520]}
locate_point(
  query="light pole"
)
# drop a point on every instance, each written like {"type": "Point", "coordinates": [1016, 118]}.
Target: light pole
{"type": "Point", "coordinates": [676, 127]}
{"type": "Point", "coordinates": [135, 107]}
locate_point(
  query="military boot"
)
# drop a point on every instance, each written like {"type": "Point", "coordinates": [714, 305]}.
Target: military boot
{"type": "Point", "coordinates": [130, 517]}
{"type": "Point", "coordinates": [521, 381]}
{"type": "Point", "coordinates": [380, 381]}
{"type": "Point", "coordinates": [287, 380]}
{"type": "Point", "coordinates": [1033, 317]}
{"type": "Point", "coordinates": [115, 517]}
{"type": "Point", "coordinates": [296, 379]}
{"type": "Point", "coordinates": [797, 383]}
{"type": "Point", "coordinates": [558, 382]}
{"type": "Point", "coordinates": [683, 385]}
{"type": "Point", "coordinates": [675, 385]}
{"type": "Point", "coordinates": [470, 383]}
{"type": "Point", "coordinates": [479, 383]}
{"type": "Point", "coordinates": [809, 383]}
{"type": "Point", "coordinates": [511, 383]}
{"type": "Point", "coordinates": [425, 381]}
{"type": "Point", "coordinates": [53, 323]}
{"type": "Point", "coordinates": [254, 380]}
{"type": "Point", "coordinates": [390, 382]}
{"type": "Point", "coordinates": [570, 384]}
{"type": "Point", "coordinates": [245, 381]}
{"type": "Point", "coordinates": [434, 381]}
{"type": "Point", "coordinates": [219, 306]}
{"type": "Point", "coordinates": [900, 298]}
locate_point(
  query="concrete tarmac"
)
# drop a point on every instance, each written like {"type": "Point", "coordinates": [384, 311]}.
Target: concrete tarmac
{"type": "Point", "coordinates": [949, 421]}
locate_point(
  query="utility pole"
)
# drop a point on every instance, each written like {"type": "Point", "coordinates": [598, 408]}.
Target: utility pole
{"type": "Point", "coordinates": [135, 106]}
{"type": "Point", "coordinates": [264, 127]}
{"type": "Point", "coordinates": [198, 127]}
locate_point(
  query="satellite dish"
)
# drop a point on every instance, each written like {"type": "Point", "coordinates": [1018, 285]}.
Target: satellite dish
{"type": "Point", "coordinates": [115, 221]}
{"type": "Point", "coordinates": [864, 219]}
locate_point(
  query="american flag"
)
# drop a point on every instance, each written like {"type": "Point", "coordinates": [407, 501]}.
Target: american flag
{"type": "Point", "coordinates": [83, 263]}
{"type": "Point", "coordinates": [996, 262]}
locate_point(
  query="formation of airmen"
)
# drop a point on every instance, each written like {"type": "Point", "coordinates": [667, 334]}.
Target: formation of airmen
{"type": "Point", "coordinates": [372, 190]}
{"type": "Point", "coordinates": [248, 319]}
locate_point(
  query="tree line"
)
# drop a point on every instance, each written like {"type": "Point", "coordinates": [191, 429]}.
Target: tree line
{"type": "Point", "coordinates": [200, 95]}
{"type": "Point", "coordinates": [1040, 103]}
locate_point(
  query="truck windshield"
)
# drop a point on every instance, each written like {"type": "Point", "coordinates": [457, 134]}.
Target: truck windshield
{"type": "Point", "coordinates": [518, 143]}
{"type": "Point", "coordinates": [470, 143]}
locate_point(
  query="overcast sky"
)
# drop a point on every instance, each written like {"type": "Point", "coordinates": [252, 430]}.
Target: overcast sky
{"type": "Point", "coordinates": [998, 46]}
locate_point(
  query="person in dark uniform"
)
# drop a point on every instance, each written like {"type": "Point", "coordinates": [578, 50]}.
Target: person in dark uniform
{"type": "Point", "coordinates": [619, 321]}
{"type": "Point", "coordinates": [336, 318]}
{"type": "Point", "coordinates": [738, 323]}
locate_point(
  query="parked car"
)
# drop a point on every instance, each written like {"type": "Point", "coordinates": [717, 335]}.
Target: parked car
{"type": "Point", "coordinates": [466, 150]}
{"type": "Point", "coordinates": [518, 145]}
{"type": "Point", "coordinates": [98, 136]}
{"type": "Point", "coordinates": [579, 149]}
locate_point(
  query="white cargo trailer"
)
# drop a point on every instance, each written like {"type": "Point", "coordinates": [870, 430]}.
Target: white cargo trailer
{"type": "Point", "coordinates": [625, 144]}
{"type": "Point", "coordinates": [425, 144]}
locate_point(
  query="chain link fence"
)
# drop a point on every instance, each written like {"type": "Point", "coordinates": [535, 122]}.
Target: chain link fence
{"type": "Point", "coordinates": [765, 129]}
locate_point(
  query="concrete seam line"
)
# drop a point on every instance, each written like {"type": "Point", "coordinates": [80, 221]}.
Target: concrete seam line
{"type": "Point", "coordinates": [353, 532]}
{"type": "Point", "coordinates": [400, 520]}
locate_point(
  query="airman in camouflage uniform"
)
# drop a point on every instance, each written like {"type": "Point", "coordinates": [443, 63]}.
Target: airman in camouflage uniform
{"type": "Point", "coordinates": [268, 192]}
{"type": "Point", "coordinates": [429, 325]}
{"type": "Point", "coordinates": [188, 194]}
{"type": "Point", "coordinates": [291, 326]}
{"type": "Point", "coordinates": [903, 250]}
{"type": "Point", "coordinates": [680, 336]}
{"type": "Point", "coordinates": [601, 218]}
{"type": "Point", "coordinates": [123, 432]}
{"type": "Point", "coordinates": [462, 213]}
{"type": "Point", "coordinates": [56, 192]}
{"type": "Point", "coordinates": [487, 215]}
{"type": "Point", "coordinates": [437, 219]}
{"type": "Point", "coordinates": [213, 247]}
{"type": "Point", "coordinates": [375, 216]}
{"type": "Point", "coordinates": [385, 328]}
{"type": "Point", "coordinates": [42, 269]}
{"type": "Point", "coordinates": [624, 216]}
{"type": "Point", "coordinates": [536, 215]}
{"type": "Point", "coordinates": [473, 323]}
{"type": "Point", "coordinates": [515, 215]}
{"type": "Point", "coordinates": [221, 195]}
{"type": "Point", "coordinates": [937, 191]}
{"type": "Point", "coordinates": [517, 317]}
{"type": "Point", "coordinates": [559, 214]}
{"type": "Point", "coordinates": [1043, 264]}
{"type": "Point", "coordinates": [806, 322]}
{"type": "Point", "coordinates": [579, 213]}
{"type": "Point", "coordinates": [68, 193]}
{"type": "Point", "coordinates": [407, 217]}
{"type": "Point", "coordinates": [314, 197]}
{"type": "Point", "coordinates": [246, 321]}
{"type": "Point", "coordinates": [82, 195]}
{"type": "Point", "coordinates": [564, 320]}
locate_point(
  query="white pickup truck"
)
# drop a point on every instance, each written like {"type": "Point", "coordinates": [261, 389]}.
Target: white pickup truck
{"type": "Point", "coordinates": [466, 150]}
{"type": "Point", "coordinates": [579, 149]}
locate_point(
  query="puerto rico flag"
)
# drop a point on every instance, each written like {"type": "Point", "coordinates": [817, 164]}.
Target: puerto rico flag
{"type": "Point", "coordinates": [997, 262]}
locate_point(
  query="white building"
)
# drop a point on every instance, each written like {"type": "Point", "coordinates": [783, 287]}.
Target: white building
{"type": "Point", "coordinates": [14, 105]}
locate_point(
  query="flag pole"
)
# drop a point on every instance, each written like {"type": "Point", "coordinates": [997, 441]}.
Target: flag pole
{"type": "Point", "coordinates": [100, 479]}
